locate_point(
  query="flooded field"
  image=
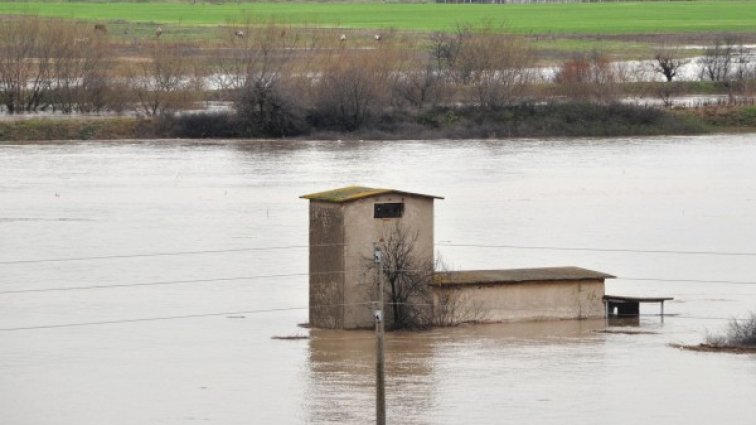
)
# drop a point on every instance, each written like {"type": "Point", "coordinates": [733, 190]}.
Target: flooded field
{"type": "Point", "coordinates": [142, 282]}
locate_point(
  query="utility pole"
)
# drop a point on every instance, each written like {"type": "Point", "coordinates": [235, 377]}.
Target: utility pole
{"type": "Point", "coordinates": [380, 381]}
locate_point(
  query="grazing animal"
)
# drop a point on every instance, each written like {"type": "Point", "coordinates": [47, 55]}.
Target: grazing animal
{"type": "Point", "coordinates": [377, 37]}
{"type": "Point", "coordinates": [342, 38]}
{"type": "Point", "coordinates": [159, 32]}
{"type": "Point", "coordinates": [100, 29]}
{"type": "Point", "coordinates": [239, 34]}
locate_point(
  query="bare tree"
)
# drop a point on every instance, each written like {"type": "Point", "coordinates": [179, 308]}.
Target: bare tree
{"type": "Point", "coordinates": [445, 50]}
{"type": "Point", "coordinates": [160, 83]}
{"type": "Point", "coordinates": [666, 93]}
{"type": "Point", "coordinates": [266, 98]}
{"type": "Point", "coordinates": [589, 76]}
{"type": "Point", "coordinates": [346, 96]}
{"type": "Point", "coordinates": [407, 280]}
{"type": "Point", "coordinates": [668, 63]}
{"type": "Point", "coordinates": [717, 61]}
{"type": "Point", "coordinates": [79, 72]}
{"type": "Point", "coordinates": [418, 86]}
{"type": "Point", "coordinates": [26, 59]}
{"type": "Point", "coordinates": [269, 108]}
{"type": "Point", "coordinates": [497, 67]}
{"type": "Point", "coordinates": [744, 74]}
{"type": "Point", "coordinates": [728, 63]}
{"type": "Point", "coordinates": [452, 307]}
{"type": "Point", "coordinates": [494, 67]}
{"type": "Point", "coordinates": [410, 298]}
{"type": "Point", "coordinates": [353, 87]}
{"type": "Point", "coordinates": [254, 54]}
{"type": "Point", "coordinates": [236, 60]}
{"type": "Point", "coordinates": [51, 63]}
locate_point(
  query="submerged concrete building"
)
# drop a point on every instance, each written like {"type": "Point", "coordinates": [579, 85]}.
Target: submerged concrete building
{"type": "Point", "coordinates": [345, 226]}
{"type": "Point", "coordinates": [548, 293]}
{"type": "Point", "coordinates": [347, 223]}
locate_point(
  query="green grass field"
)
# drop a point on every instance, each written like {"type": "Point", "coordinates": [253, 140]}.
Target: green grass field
{"type": "Point", "coordinates": [589, 18]}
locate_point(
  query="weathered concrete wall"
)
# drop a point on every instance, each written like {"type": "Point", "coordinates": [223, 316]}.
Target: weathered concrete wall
{"type": "Point", "coordinates": [537, 300]}
{"type": "Point", "coordinates": [362, 231]}
{"type": "Point", "coordinates": [326, 265]}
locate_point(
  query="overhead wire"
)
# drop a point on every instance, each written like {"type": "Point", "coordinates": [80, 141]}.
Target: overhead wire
{"type": "Point", "coordinates": [160, 254]}
{"type": "Point", "coordinates": [176, 317]}
{"type": "Point", "coordinates": [658, 279]}
{"type": "Point", "coordinates": [622, 250]}
{"type": "Point", "coordinates": [285, 275]}
{"type": "Point", "coordinates": [179, 282]}
{"type": "Point", "coordinates": [168, 282]}
{"type": "Point", "coordinates": [284, 247]}
{"type": "Point", "coordinates": [281, 309]}
{"type": "Point", "coordinates": [148, 319]}
{"type": "Point", "coordinates": [272, 248]}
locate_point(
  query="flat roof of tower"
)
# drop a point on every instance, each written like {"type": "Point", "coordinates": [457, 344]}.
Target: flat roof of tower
{"type": "Point", "coordinates": [353, 193]}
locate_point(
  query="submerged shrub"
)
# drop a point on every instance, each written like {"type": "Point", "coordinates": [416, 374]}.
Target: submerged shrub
{"type": "Point", "coordinates": [199, 126]}
{"type": "Point", "coordinates": [739, 333]}
{"type": "Point", "coordinates": [269, 109]}
{"type": "Point", "coordinates": [557, 119]}
{"type": "Point", "coordinates": [346, 98]}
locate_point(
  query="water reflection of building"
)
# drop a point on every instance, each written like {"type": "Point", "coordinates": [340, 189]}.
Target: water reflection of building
{"type": "Point", "coordinates": [422, 366]}
{"type": "Point", "coordinates": [346, 223]}
{"type": "Point", "coordinates": [341, 385]}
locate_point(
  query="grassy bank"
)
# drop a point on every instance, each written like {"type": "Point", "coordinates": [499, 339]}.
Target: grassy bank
{"type": "Point", "coordinates": [74, 129]}
{"type": "Point", "coordinates": [543, 120]}
{"type": "Point", "coordinates": [591, 18]}
{"type": "Point", "coordinates": [741, 118]}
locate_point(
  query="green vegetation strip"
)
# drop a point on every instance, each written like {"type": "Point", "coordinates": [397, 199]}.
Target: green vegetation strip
{"type": "Point", "coordinates": [615, 17]}
{"type": "Point", "coordinates": [70, 129]}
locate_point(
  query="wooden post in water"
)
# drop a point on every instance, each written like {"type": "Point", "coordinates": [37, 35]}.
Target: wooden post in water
{"type": "Point", "coordinates": [380, 382]}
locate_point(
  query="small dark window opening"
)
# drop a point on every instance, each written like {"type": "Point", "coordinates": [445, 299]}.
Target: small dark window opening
{"type": "Point", "coordinates": [388, 210]}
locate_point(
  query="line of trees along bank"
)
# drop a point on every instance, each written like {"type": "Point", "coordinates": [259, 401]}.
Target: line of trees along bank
{"type": "Point", "coordinates": [286, 81]}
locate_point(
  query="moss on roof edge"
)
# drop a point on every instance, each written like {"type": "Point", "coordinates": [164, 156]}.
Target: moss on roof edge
{"type": "Point", "coordinates": [353, 193]}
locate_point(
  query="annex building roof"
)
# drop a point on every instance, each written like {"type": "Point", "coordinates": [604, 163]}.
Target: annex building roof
{"type": "Point", "coordinates": [353, 193]}
{"type": "Point", "coordinates": [543, 274]}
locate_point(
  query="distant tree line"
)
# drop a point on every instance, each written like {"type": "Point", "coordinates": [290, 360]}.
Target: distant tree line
{"type": "Point", "coordinates": [284, 81]}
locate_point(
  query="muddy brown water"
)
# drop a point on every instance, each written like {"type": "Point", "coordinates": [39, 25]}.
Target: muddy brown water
{"type": "Point", "coordinates": [215, 360]}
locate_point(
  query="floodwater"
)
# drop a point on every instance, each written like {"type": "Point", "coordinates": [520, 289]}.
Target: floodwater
{"type": "Point", "coordinates": [192, 255]}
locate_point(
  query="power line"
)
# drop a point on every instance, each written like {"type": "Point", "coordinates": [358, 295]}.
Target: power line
{"type": "Point", "coordinates": [273, 276]}
{"type": "Point", "coordinates": [283, 247]}
{"type": "Point", "coordinates": [152, 319]}
{"type": "Point", "coordinates": [674, 315]}
{"type": "Point", "coordinates": [155, 254]}
{"type": "Point", "coordinates": [178, 282]}
{"type": "Point", "coordinates": [656, 279]}
{"type": "Point", "coordinates": [273, 310]}
{"type": "Point", "coordinates": [628, 250]}
{"type": "Point", "coordinates": [147, 319]}
{"type": "Point", "coordinates": [168, 282]}
{"type": "Point", "coordinates": [681, 316]}
{"type": "Point", "coordinates": [162, 254]}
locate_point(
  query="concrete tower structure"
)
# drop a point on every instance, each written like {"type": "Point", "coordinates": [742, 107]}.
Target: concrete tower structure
{"type": "Point", "coordinates": [345, 226]}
